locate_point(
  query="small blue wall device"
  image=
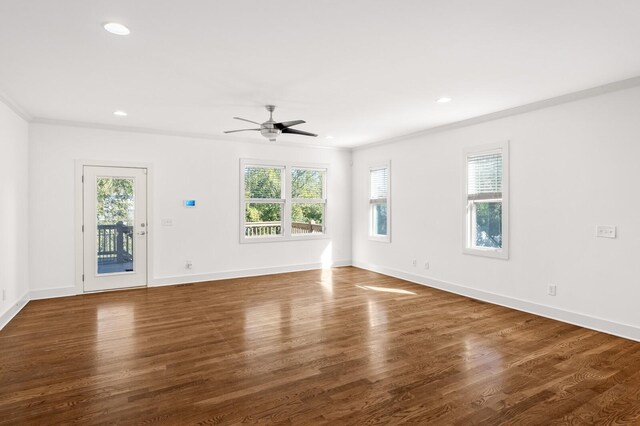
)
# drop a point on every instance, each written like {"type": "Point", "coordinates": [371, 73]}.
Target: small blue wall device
{"type": "Point", "coordinates": [189, 203]}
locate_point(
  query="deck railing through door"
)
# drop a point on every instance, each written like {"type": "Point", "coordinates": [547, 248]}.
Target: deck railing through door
{"type": "Point", "coordinates": [115, 243]}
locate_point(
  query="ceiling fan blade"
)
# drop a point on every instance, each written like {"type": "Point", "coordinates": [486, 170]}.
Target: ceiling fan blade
{"type": "Point", "coordinates": [286, 124]}
{"type": "Point", "coordinates": [298, 132]}
{"type": "Point", "coordinates": [241, 130]}
{"type": "Point", "coordinates": [248, 121]}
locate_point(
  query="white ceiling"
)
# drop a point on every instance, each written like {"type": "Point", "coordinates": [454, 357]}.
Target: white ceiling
{"type": "Point", "coordinates": [359, 70]}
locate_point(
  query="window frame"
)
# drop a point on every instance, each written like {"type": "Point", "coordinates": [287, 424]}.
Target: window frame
{"type": "Point", "coordinates": [322, 200]}
{"type": "Point", "coordinates": [374, 201]}
{"type": "Point", "coordinates": [286, 200]}
{"type": "Point", "coordinates": [467, 215]}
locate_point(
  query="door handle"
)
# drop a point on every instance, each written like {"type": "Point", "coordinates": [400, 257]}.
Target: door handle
{"type": "Point", "coordinates": [142, 233]}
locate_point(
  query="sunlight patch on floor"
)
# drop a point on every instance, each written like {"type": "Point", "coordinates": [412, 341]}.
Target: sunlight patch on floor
{"type": "Point", "coordinates": [385, 289]}
{"type": "Point", "coordinates": [326, 280]}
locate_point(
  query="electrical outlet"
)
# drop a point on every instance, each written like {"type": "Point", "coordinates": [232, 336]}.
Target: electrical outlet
{"type": "Point", "coordinates": [189, 264]}
{"type": "Point", "coordinates": [604, 231]}
{"type": "Point", "coordinates": [415, 262]}
{"type": "Point", "coordinates": [167, 221]}
{"type": "Point", "coordinates": [426, 265]}
{"type": "Point", "coordinates": [552, 290]}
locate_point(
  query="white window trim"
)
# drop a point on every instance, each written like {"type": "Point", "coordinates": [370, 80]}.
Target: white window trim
{"type": "Point", "coordinates": [502, 253]}
{"type": "Point", "coordinates": [379, 238]}
{"type": "Point", "coordinates": [286, 200]}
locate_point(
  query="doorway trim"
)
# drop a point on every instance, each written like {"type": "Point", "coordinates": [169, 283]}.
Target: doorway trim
{"type": "Point", "coordinates": [79, 215]}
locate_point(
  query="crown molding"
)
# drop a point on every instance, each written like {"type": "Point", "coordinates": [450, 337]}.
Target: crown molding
{"type": "Point", "coordinates": [546, 103]}
{"type": "Point", "coordinates": [15, 107]}
{"type": "Point", "coordinates": [534, 106]}
{"type": "Point", "coordinates": [152, 131]}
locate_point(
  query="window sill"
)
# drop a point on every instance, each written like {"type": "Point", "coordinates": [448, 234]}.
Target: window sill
{"type": "Point", "coordinates": [494, 253]}
{"type": "Point", "coordinates": [380, 239]}
{"type": "Point", "coordinates": [255, 240]}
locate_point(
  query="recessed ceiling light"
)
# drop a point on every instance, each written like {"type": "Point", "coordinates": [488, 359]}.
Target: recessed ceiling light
{"type": "Point", "coordinates": [328, 137]}
{"type": "Point", "coordinates": [443, 100]}
{"type": "Point", "coordinates": [116, 28]}
{"type": "Point", "coordinates": [120, 113]}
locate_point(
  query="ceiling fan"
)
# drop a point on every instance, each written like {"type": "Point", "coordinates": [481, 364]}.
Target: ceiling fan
{"type": "Point", "coordinates": [271, 129]}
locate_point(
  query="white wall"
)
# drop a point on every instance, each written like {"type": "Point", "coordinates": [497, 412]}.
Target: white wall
{"type": "Point", "coordinates": [208, 235]}
{"type": "Point", "coordinates": [14, 210]}
{"type": "Point", "coordinates": [573, 166]}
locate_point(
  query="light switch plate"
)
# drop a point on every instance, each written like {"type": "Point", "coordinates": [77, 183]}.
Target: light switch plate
{"type": "Point", "coordinates": [605, 231]}
{"type": "Point", "coordinates": [166, 222]}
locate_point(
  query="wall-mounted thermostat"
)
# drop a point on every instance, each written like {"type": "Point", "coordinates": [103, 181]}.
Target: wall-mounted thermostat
{"type": "Point", "coordinates": [189, 203]}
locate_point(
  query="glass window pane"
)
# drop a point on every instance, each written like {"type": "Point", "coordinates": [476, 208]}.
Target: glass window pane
{"type": "Point", "coordinates": [115, 205]}
{"type": "Point", "coordinates": [487, 225]}
{"type": "Point", "coordinates": [307, 218]}
{"type": "Point", "coordinates": [262, 182]}
{"type": "Point", "coordinates": [307, 183]}
{"type": "Point", "coordinates": [263, 219]}
{"type": "Point", "coordinates": [379, 219]}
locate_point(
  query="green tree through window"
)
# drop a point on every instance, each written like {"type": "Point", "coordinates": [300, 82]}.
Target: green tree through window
{"type": "Point", "coordinates": [263, 183]}
{"type": "Point", "coordinates": [307, 184]}
{"type": "Point", "coordinates": [115, 200]}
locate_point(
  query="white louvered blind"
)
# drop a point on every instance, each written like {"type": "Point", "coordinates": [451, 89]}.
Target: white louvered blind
{"type": "Point", "coordinates": [379, 183]}
{"type": "Point", "coordinates": [484, 176]}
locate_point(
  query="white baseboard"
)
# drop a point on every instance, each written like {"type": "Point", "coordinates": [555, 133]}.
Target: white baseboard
{"type": "Point", "coordinates": [51, 293]}
{"type": "Point", "coordinates": [13, 310]}
{"type": "Point", "coordinates": [582, 320]}
{"type": "Point", "coordinates": [241, 273]}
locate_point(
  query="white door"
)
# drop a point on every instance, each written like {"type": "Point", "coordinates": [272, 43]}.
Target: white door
{"type": "Point", "coordinates": [115, 227]}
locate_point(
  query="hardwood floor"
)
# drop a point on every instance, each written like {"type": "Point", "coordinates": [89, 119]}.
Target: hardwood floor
{"type": "Point", "coordinates": [341, 346]}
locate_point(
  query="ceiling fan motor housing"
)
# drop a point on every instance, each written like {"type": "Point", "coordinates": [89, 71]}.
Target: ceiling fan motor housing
{"type": "Point", "coordinates": [270, 131]}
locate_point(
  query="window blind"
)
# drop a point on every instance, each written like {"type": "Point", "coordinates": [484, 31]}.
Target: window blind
{"type": "Point", "coordinates": [379, 183]}
{"type": "Point", "coordinates": [484, 176]}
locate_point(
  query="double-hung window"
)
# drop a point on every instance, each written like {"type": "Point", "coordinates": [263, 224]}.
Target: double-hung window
{"type": "Point", "coordinates": [264, 201]}
{"type": "Point", "coordinates": [281, 202]}
{"type": "Point", "coordinates": [486, 203]}
{"type": "Point", "coordinates": [308, 201]}
{"type": "Point", "coordinates": [379, 203]}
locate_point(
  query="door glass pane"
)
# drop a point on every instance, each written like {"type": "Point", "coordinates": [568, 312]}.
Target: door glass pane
{"type": "Point", "coordinates": [263, 219]}
{"type": "Point", "coordinates": [487, 224]}
{"type": "Point", "coordinates": [307, 218]}
{"type": "Point", "coordinates": [115, 213]}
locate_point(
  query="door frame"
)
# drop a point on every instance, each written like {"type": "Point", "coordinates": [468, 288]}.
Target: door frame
{"type": "Point", "coordinates": [79, 215]}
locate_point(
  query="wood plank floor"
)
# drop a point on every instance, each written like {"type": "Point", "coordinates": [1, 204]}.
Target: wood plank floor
{"type": "Point", "coordinates": [341, 346]}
